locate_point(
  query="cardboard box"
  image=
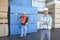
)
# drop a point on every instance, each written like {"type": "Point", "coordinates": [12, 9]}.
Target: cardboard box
{"type": "Point", "coordinates": [3, 30]}
{"type": "Point", "coordinates": [3, 15]}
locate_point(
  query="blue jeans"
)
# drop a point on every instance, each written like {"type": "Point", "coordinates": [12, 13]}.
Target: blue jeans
{"type": "Point", "coordinates": [45, 34]}
{"type": "Point", "coordinates": [23, 30]}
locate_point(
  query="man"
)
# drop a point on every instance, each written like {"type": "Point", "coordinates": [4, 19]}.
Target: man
{"type": "Point", "coordinates": [24, 23]}
{"type": "Point", "coordinates": [45, 25]}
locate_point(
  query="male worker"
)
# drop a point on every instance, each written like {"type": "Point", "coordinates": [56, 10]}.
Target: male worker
{"type": "Point", "coordinates": [24, 23]}
{"type": "Point", "coordinates": [45, 25]}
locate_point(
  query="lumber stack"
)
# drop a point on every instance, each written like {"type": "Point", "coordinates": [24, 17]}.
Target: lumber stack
{"type": "Point", "coordinates": [3, 18]}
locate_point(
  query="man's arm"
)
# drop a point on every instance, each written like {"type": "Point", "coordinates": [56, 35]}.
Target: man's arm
{"type": "Point", "coordinates": [50, 23]}
{"type": "Point", "coordinates": [27, 21]}
{"type": "Point", "coordinates": [17, 15]}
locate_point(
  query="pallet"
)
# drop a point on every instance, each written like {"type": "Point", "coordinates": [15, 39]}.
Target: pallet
{"type": "Point", "coordinates": [3, 30]}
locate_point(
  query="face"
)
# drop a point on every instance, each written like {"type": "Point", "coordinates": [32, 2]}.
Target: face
{"type": "Point", "coordinates": [23, 14]}
{"type": "Point", "coordinates": [46, 12]}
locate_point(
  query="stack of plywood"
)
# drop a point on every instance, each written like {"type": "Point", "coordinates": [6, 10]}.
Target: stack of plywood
{"type": "Point", "coordinates": [57, 15]}
{"type": "Point", "coordinates": [3, 18]}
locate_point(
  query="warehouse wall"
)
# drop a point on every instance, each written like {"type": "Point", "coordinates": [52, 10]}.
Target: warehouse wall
{"type": "Point", "coordinates": [57, 17]}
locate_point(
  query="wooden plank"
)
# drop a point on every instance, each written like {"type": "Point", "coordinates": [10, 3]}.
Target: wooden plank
{"type": "Point", "coordinates": [57, 10]}
{"type": "Point", "coordinates": [3, 6]}
{"type": "Point", "coordinates": [57, 6]}
{"type": "Point", "coordinates": [57, 20]}
{"type": "Point", "coordinates": [57, 15]}
{"type": "Point", "coordinates": [3, 30]}
{"type": "Point", "coordinates": [4, 0]}
{"type": "Point", "coordinates": [3, 15]}
{"type": "Point", "coordinates": [3, 3]}
{"type": "Point", "coordinates": [6, 29]}
{"type": "Point", "coordinates": [4, 9]}
{"type": "Point", "coordinates": [3, 21]}
{"type": "Point", "coordinates": [57, 25]}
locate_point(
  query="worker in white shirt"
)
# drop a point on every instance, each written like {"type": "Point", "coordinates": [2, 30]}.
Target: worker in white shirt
{"type": "Point", "coordinates": [45, 25]}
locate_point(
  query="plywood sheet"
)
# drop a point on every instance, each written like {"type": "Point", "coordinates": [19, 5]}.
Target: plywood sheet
{"type": "Point", "coordinates": [3, 15]}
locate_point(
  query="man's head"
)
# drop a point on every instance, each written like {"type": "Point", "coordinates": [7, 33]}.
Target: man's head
{"type": "Point", "coordinates": [45, 11]}
{"type": "Point", "coordinates": [24, 13]}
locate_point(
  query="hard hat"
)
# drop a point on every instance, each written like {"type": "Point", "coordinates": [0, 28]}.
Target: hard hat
{"type": "Point", "coordinates": [24, 12]}
{"type": "Point", "coordinates": [45, 9]}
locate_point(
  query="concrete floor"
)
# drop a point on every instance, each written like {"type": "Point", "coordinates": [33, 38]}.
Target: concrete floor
{"type": "Point", "coordinates": [34, 36]}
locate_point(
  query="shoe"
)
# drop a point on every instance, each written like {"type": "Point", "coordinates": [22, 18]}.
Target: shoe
{"type": "Point", "coordinates": [24, 35]}
{"type": "Point", "coordinates": [20, 36]}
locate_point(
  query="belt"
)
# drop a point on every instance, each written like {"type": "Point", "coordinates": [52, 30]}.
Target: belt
{"type": "Point", "coordinates": [45, 29]}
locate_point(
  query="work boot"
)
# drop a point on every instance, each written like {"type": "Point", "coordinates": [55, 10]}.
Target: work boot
{"type": "Point", "coordinates": [20, 36]}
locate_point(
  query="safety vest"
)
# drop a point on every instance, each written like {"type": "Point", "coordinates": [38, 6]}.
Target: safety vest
{"type": "Point", "coordinates": [23, 19]}
{"type": "Point", "coordinates": [49, 26]}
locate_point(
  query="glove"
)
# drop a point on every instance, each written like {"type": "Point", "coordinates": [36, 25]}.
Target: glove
{"type": "Point", "coordinates": [26, 23]}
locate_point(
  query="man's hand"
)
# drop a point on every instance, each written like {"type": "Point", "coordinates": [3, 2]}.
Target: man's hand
{"type": "Point", "coordinates": [26, 23]}
{"type": "Point", "coordinates": [45, 23]}
{"type": "Point", "coordinates": [17, 14]}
